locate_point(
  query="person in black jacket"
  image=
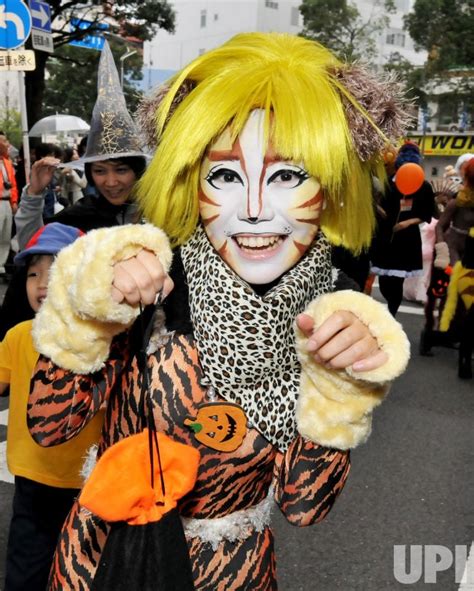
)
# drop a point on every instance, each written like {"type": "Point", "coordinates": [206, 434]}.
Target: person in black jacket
{"type": "Point", "coordinates": [114, 179]}
{"type": "Point", "coordinates": [113, 162]}
{"type": "Point", "coordinates": [396, 249]}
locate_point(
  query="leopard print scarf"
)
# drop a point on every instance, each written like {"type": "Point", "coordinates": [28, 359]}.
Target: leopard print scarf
{"type": "Point", "coordinates": [245, 341]}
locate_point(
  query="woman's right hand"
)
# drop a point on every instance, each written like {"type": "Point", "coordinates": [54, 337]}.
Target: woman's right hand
{"type": "Point", "coordinates": [42, 173]}
{"type": "Point", "coordinates": [140, 279]}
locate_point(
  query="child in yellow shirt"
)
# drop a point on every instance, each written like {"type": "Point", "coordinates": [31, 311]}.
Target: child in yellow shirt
{"type": "Point", "coordinates": [47, 480]}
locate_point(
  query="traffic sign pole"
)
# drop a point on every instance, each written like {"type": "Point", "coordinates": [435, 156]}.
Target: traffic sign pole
{"type": "Point", "coordinates": [15, 28]}
{"type": "Point", "coordinates": [24, 125]}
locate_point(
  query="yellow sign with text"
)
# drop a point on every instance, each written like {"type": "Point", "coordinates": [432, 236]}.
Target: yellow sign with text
{"type": "Point", "coordinates": [444, 145]}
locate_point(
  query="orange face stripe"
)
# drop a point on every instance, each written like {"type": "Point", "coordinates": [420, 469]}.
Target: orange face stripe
{"type": "Point", "coordinates": [313, 201]}
{"type": "Point", "coordinates": [314, 221]}
{"type": "Point", "coordinates": [222, 249]}
{"type": "Point", "coordinates": [234, 154]}
{"type": "Point", "coordinates": [302, 248]}
{"type": "Point", "coordinates": [207, 221]}
{"type": "Point", "coordinates": [205, 199]}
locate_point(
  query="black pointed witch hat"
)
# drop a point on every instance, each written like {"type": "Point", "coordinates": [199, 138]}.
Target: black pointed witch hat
{"type": "Point", "coordinates": [113, 133]}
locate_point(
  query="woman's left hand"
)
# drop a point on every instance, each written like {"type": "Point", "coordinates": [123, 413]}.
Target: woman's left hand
{"type": "Point", "coordinates": [342, 341]}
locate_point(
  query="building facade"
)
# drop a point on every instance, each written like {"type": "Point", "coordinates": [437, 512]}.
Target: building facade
{"type": "Point", "coordinates": [393, 39]}
{"type": "Point", "coordinates": [204, 24]}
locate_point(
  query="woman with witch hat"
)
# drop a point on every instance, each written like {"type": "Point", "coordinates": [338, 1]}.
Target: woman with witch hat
{"type": "Point", "coordinates": [113, 162]}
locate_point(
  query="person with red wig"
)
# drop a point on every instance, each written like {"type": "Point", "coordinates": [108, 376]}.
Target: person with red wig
{"type": "Point", "coordinates": [456, 220]}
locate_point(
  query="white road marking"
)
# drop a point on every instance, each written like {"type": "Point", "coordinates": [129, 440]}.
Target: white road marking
{"type": "Point", "coordinates": [415, 309]}
{"type": "Point", "coordinates": [411, 310]}
{"type": "Point", "coordinates": [5, 475]}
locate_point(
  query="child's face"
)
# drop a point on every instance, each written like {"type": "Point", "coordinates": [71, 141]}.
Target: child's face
{"type": "Point", "coordinates": [260, 211]}
{"type": "Point", "coordinates": [37, 280]}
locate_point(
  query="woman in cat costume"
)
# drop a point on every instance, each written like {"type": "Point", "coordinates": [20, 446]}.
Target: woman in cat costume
{"type": "Point", "coordinates": [264, 157]}
{"type": "Point", "coordinates": [461, 301]}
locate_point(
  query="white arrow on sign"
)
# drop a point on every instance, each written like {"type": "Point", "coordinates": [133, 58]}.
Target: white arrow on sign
{"type": "Point", "coordinates": [13, 18]}
{"type": "Point", "coordinates": [40, 14]}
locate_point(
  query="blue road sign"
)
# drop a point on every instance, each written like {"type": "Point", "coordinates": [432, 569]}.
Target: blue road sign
{"type": "Point", "coordinates": [40, 15]}
{"type": "Point", "coordinates": [15, 23]}
{"type": "Point", "coordinates": [95, 41]}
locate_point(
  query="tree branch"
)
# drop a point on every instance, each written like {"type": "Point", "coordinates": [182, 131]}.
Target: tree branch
{"type": "Point", "coordinates": [71, 60]}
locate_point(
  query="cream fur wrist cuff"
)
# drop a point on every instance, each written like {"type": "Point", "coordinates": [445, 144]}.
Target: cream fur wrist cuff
{"type": "Point", "coordinates": [78, 319]}
{"type": "Point", "coordinates": [334, 407]}
{"type": "Point", "coordinates": [90, 290]}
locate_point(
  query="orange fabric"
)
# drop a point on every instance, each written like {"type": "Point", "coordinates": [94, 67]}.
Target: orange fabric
{"type": "Point", "coordinates": [119, 488]}
{"type": "Point", "coordinates": [369, 284]}
{"type": "Point", "coordinates": [11, 177]}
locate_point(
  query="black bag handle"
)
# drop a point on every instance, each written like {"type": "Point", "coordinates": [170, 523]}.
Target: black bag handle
{"type": "Point", "coordinates": [146, 403]}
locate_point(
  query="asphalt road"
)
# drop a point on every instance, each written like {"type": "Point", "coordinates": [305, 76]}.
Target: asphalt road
{"type": "Point", "coordinates": [411, 484]}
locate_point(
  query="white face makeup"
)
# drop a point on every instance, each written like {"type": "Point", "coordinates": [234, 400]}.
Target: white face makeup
{"type": "Point", "coordinates": [260, 212]}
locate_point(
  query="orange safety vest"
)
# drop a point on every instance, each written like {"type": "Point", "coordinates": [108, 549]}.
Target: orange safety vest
{"type": "Point", "coordinates": [11, 177]}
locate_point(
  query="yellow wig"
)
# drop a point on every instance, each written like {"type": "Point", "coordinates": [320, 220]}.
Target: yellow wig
{"type": "Point", "coordinates": [460, 285]}
{"type": "Point", "coordinates": [294, 81]}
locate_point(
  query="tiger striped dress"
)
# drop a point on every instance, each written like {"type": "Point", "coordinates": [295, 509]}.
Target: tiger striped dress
{"type": "Point", "coordinates": [305, 480]}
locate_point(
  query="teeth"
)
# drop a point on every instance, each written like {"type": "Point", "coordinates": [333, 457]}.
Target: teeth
{"type": "Point", "coordinates": [259, 242]}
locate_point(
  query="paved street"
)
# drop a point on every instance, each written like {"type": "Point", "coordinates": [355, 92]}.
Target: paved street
{"type": "Point", "coordinates": [412, 483]}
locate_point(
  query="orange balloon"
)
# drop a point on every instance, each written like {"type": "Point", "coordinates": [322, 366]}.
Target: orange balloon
{"type": "Point", "coordinates": [409, 178]}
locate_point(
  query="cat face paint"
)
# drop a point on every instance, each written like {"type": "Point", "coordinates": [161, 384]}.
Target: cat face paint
{"type": "Point", "coordinates": [260, 212]}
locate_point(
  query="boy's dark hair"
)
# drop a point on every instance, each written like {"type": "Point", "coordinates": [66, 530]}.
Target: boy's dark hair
{"type": "Point", "coordinates": [15, 307]}
{"type": "Point", "coordinates": [58, 152]}
{"type": "Point", "coordinates": [81, 148]}
{"type": "Point", "coordinates": [136, 163]}
{"type": "Point", "coordinates": [42, 150]}
{"type": "Point", "coordinates": [67, 154]}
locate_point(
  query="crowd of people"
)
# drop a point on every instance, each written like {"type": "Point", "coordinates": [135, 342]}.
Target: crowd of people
{"type": "Point", "coordinates": [195, 302]}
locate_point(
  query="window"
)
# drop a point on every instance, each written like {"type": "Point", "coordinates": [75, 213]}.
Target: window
{"type": "Point", "coordinates": [203, 18]}
{"type": "Point", "coordinates": [395, 39]}
{"type": "Point", "coordinates": [295, 16]}
{"type": "Point", "coordinates": [216, 17]}
{"type": "Point", "coordinates": [402, 4]}
{"type": "Point", "coordinates": [448, 109]}
{"type": "Point", "coordinates": [271, 4]}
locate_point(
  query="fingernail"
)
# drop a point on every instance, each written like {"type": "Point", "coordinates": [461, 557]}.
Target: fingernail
{"type": "Point", "coordinates": [358, 366]}
{"type": "Point", "coordinates": [311, 346]}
